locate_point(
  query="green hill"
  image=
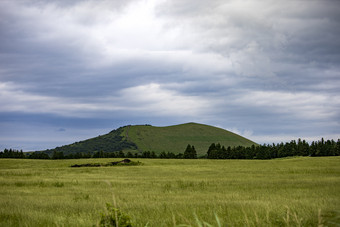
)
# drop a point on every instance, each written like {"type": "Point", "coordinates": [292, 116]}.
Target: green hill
{"type": "Point", "coordinates": [176, 138]}
{"type": "Point", "coordinates": [138, 138]}
{"type": "Point", "coordinates": [111, 142]}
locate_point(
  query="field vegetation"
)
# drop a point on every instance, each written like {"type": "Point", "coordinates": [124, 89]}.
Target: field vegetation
{"type": "Point", "coordinates": [300, 191]}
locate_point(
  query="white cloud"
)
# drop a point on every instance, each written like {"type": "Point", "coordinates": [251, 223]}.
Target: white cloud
{"type": "Point", "coordinates": [15, 99]}
{"type": "Point", "coordinates": [300, 105]}
{"type": "Point", "coordinates": [143, 99]}
{"type": "Point", "coordinates": [251, 61]}
{"type": "Point", "coordinates": [154, 99]}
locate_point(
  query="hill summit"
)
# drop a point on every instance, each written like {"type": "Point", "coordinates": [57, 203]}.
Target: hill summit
{"type": "Point", "coordinates": [139, 138]}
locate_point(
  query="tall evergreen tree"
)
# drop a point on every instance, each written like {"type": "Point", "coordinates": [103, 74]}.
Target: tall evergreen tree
{"type": "Point", "coordinates": [190, 152]}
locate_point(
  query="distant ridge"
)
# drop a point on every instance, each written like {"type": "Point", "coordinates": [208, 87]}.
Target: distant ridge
{"type": "Point", "coordinates": [138, 138]}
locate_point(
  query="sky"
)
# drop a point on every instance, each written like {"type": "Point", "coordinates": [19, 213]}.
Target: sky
{"type": "Point", "coordinates": [73, 70]}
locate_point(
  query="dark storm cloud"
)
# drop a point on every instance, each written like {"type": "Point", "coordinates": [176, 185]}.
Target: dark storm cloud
{"type": "Point", "coordinates": [264, 69]}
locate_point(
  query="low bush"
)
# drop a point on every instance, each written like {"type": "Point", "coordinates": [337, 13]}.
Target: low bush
{"type": "Point", "coordinates": [125, 162]}
{"type": "Point", "coordinates": [114, 217]}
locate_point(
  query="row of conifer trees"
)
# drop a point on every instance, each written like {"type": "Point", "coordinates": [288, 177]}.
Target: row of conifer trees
{"type": "Point", "coordinates": [215, 151]}
{"type": "Point", "coordinates": [189, 153]}
{"type": "Point", "coordinates": [270, 151]}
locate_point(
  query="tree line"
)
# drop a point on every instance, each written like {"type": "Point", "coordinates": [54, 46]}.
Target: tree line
{"type": "Point", "coordinates": [215, 151]}
{"type": "Point", "coordinates": [189, 153]}
{"type": "Point", "coordinates": [280, 150]}
{"type": "Point", "coordinates": [12, 153]}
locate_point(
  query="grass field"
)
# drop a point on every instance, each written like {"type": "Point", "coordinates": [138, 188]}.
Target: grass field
{"type": "Point", "coordinates": [282, 192]}
{"type": "Point", "coordinates": [176, 138]}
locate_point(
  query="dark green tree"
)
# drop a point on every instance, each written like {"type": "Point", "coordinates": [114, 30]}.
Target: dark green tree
{"type": "Point", "coordinates": [190, 152]}
{"type": "Point", "coordinates": [163, 155]}
{"type": "Point", "coordinates": [38, 155]}
{"type": "Point", "coordinates": [58, 155]}
{"type": "Point", "coordinates": [120, 154]}
{"type": "Point", "coordinates": [153, 155]}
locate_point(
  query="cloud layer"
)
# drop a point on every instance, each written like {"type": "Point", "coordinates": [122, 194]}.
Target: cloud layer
{"type": "Point", "coordinates": [267, 70]}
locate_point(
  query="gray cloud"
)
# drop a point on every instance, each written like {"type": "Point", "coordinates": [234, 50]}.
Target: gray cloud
{"type": "Point", "coordinates": [268, 70]}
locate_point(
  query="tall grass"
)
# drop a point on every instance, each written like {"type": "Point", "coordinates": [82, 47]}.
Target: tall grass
{"type": "Point", "coordinates": [284, 192]}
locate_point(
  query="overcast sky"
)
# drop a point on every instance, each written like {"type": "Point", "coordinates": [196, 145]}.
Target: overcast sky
{"type": "Point", "coordinates": [72, 70]}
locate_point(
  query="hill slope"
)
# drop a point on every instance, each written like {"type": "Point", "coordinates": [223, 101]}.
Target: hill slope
{"type": "Point", "coordinates": [176, 138]}
{"type": "Point", "coordinates": [158, 139]}
{"type": "Point", "coordinates": [111, 142]}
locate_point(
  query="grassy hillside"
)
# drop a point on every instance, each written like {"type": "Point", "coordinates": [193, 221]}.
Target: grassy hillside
{"type": "Point", "coordinates": [176, 138]}
{"type": "Point", "coordinates": [111, 142]}
{"type": "Point", "coordinates": [162, 192]}
{"type": "Point", "coordinates": [158, 139]}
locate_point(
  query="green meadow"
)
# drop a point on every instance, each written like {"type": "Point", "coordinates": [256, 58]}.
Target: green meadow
{"type": "Point", "coordinates": [299, 191]}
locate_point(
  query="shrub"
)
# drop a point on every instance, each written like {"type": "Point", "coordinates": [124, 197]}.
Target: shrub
{"type": "Point", "coordinates": [114, 217]}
